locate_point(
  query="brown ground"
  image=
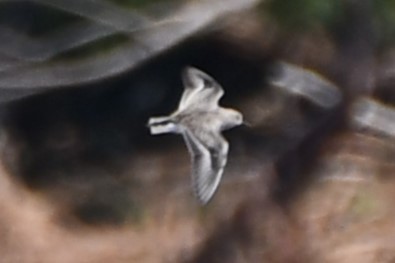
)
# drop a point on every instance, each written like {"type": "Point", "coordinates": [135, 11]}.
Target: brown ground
{"type": "Point", "coordinates": [344, 215]}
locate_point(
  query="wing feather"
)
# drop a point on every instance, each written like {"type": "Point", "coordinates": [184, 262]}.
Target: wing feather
{"type": "Point", "coordinates": [208, 162]}
{"type": "Point", "coordinates": [200, 90]}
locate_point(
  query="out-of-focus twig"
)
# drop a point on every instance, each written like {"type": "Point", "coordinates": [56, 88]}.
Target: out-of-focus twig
{"type": "Point", "coordinates": [98, 11]}
{"type": "Point", "coordinates": [148, 39]}
{"type": "Point", "coordinates": [25, 48]}
{"type": "Point", "coordinates": [306, 83]}
{"type": "Point", "coordinates": [374, 116]}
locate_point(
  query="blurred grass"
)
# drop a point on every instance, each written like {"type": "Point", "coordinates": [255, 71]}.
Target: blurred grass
{"type": "Point", "coordinates": [102, 45]}
{"type": "Point", "coordinates": [385, 21]}
{"type": "Point", "coordinates": [303, 14]}
{"type": "Point", "coordinates": [139, 3]}
{"type": "Point", "coordinates": [34, 20]}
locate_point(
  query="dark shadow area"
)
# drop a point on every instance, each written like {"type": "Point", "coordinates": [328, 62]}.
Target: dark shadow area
{"type": "Point", "coordinates": [100, 126]}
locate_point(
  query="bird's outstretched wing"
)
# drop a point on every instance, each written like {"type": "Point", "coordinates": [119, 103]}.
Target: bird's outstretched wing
{"type": "Point", "coordinates": [200, 90]}
{"type": "Point", "coordinates": [208, 162]}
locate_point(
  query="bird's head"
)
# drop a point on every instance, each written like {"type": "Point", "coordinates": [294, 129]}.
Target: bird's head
{"type": "Point", "coordinates": [232, 118]}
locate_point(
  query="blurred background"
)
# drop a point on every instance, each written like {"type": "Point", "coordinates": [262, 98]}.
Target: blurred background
{"type": "Point", "coordinates": [81, 179]}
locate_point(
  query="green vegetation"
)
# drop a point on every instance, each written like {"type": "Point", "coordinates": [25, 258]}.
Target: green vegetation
{"type": "Point", "coordinates": [304, 14]}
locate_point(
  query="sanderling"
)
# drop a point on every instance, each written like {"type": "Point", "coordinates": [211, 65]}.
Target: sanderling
{"type": "Point", "coordinates": [200, 120]}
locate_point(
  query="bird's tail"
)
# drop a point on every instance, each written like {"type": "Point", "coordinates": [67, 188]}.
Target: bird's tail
{"type": "Point", "coordinates": [160, 125]}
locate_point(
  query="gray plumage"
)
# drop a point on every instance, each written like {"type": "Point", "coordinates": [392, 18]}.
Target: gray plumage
{"type": "Point", "coordinates": [200, 120]}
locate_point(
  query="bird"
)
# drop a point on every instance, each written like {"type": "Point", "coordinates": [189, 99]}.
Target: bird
{"type": "Point", "coordinates": [200, 120]}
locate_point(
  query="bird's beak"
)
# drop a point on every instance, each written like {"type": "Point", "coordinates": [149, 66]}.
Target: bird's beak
{"type": "Point", "coordinates": [247, 124]}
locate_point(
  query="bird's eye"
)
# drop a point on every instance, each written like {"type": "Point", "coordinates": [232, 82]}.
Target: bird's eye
{"type": "Point", "coordinates": [207, 83]}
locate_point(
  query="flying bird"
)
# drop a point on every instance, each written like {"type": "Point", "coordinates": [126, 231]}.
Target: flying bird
{"type": "Point", "coordinates": [200, 120]}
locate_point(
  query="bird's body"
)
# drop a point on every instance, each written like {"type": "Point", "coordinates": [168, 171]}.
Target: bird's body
{"type": "Point", "coordinates": [200, 120]}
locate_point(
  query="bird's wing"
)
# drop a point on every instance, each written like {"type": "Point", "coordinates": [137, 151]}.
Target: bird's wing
{"type": "Point", "coordinates": [200, 90]}
{"type": "Point", "coordinates": [208, 162]}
